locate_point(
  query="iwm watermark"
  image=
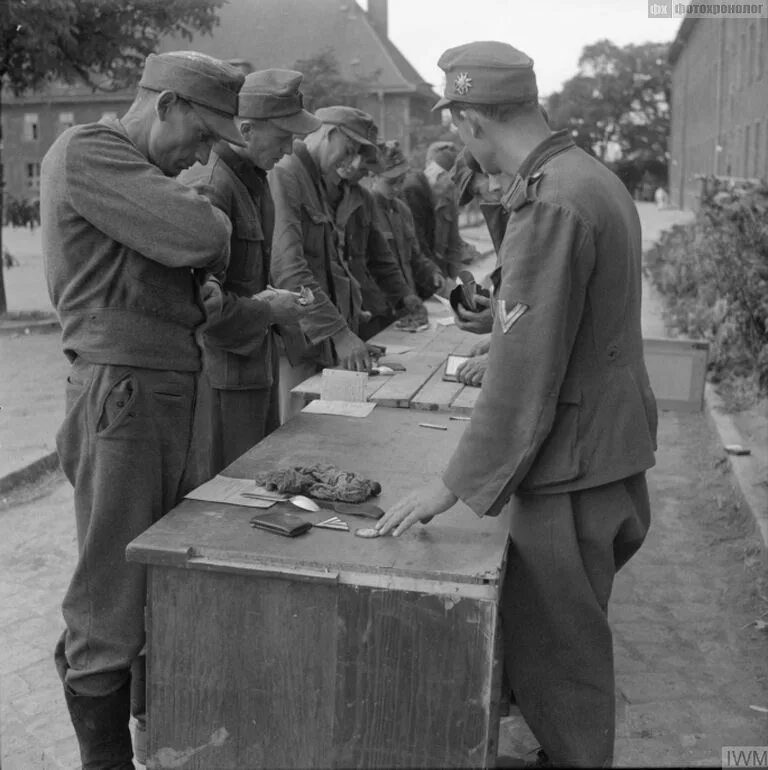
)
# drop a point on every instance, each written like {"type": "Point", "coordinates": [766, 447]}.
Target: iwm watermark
{"type": "Point", "coordinates": [744, 756]}
{"type": "Point", "coordinates": [667, 9]}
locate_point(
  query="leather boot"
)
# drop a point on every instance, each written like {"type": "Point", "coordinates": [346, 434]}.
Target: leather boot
{"type": "Point", "coordinates": [101, 726]}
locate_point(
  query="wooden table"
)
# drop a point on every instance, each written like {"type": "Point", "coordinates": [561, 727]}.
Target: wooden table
{"type": "Point", "coordinates": [421, 386]}
{"type": "Point", "coordinates": [326, 650]}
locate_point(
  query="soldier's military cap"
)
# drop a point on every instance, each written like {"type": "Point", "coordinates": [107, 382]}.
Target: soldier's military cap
{"type": "Point", "coordinates": [487, 72]}
{"type": "Point", "coordinates": [356, 124]}
{"type": "Point", "coordinates": [274, 95]}
{"type": "Point", "coordinates": [209, 85]}
{"type": "Point", "coordinates": [393, 162]}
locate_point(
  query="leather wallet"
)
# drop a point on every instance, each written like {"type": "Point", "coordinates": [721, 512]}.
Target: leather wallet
{"type": "Point", "coordinates": [464, 293]}
{"type": "Point", "coordinates": [288, 524]}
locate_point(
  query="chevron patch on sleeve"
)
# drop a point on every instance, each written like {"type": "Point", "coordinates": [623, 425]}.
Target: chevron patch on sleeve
{"type": "Point", "coordinates": [509, 317]}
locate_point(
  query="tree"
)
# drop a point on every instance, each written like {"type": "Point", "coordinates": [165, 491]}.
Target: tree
{"type": "Point", "coordinates": [617, 106]}
{"type": "Point", "coordinates": [99, 42]}
{"type": "Point", "coordinates": [324, 85]}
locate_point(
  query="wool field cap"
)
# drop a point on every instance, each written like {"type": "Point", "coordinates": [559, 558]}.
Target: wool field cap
{"type": "Point", "coordinates": [487, 72]}
{"type": "Point", "coordinates": [209, 85]}
{"type": "Point", "coordinates": [274, 95]}
{"type": "Point", "coordinates": [392, 159]}
{"type": "Point", "coordinates": [356, 124]}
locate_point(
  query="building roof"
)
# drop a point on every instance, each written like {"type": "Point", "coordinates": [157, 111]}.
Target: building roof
{"type": "Point", "coordinates": [683, 33]}
{"type": "Point", "coordinates": [278, 33]}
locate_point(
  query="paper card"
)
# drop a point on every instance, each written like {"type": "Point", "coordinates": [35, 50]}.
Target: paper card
{"type": "Point", "coordinates": [447, 321]}
{"type": "Point", "coordinates": [452, 365]}
{"type": "Point", "coordinates": [340, 408]}
{"type": "Point", "coordinates": [227, 489]}
{"type": "Point", "coordinates": [342, 385]}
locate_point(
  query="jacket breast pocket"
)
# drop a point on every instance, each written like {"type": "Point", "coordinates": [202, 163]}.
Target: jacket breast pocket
{"type": "Point", "coordinates": [247, 252]}
{"type": "Point", "coordinates": [560, 458]}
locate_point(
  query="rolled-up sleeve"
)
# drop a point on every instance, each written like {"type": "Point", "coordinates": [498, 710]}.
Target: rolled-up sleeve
{"type": "Point", "coordinates": [547, 257]}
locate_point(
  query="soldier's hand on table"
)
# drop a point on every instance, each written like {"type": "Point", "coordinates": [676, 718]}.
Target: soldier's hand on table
{"type": "Point", "coordinates": [284, 304]}
{"type": "Point", "coordinates": [420, 505]}
{"type": "Point", "coordinates": [471, 371]}
{"type": "Point", "coordinates": [480, 348]}
{"type": "Point", "coordinates": [414, 305]}
{"type": "Point", "coordinates": [480, 322]}
{"type": "Point", "coordinates": [351, 351]}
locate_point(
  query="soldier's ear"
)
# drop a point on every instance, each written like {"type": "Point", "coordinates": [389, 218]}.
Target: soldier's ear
{"type": "Point", "coordinates": [164, 102]}
{"type": "Point", "coordinates": [475, 122]}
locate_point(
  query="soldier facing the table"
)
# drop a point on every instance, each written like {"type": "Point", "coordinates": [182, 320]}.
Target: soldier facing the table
{"type": "Point", "coordinates": [305, 249]}
{"type": "Point", "coordinates": [565, 424]}
{"type": "Point", "coordinates": [396, 222]}
{"type": "Point", "coordinates": [125, 247]}
{"type": "Point", "coordinates": [385, 290]}
{"type": "Point", "coordinates": [240, 351]}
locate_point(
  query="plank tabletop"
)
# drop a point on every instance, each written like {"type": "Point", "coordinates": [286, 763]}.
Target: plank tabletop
{"type": "Point", "coordinates": [423, 354]}
{"type": "Point", "coordinates": [389, 446]}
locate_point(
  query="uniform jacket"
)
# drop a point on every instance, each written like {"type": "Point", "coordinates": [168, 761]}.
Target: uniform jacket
{"type": "Point", "coordinates": [396, 223]}
{"type": "Point", "coordinates": [305, 252]}
{"type": "Point", "coordinates": [238, 339]}
{"type": "Point", "coordinates": [566, 403]}
{"type": "Point", "coordinates": [448, 246]}
{"type": "Point", "coordinates": [367, 252]}
{"type": "Point", "coordinates": [120, 242]}
{"type": "Point", "coordinates": [417, 194]}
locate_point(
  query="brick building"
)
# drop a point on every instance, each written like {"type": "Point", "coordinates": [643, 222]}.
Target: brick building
{"type": "Point", "coordinates": [719, 103]}
{"type": "Point", "coordinates": [258, 34]}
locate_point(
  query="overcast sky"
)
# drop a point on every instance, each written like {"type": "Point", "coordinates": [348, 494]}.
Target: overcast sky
{"type": "Point", "coordinates": [551, 32]}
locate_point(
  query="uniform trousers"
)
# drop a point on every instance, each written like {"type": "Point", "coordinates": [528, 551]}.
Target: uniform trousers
{"type": "Point", "coordinates": [238, 420]}
{"type": "Point", "coordinates": [290, 376]}
{"type": "Point", "coordinates": [126, 445]}
{"type": "Point", "coordinates": [558, 652]}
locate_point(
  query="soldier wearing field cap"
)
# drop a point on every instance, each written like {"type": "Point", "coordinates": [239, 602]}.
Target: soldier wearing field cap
{"type": "Point", "coordinates": [565, 424]}
{"type": "Point", "coordinates": [240, 347]}
{"type": "Point", "coordinates": [125, 248]}
{"type": "Point", "coordinates": [306, 249]}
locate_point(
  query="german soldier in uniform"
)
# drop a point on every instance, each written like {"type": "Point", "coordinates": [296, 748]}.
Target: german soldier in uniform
{"type": "Point", "coordinates": [565, 424]}
{"type": "Point", "coordinates": [240, 351]}
{"type": "Point", "coordinates": [125, 248]}
{"type": "Point", "coordinates": [305, 249]}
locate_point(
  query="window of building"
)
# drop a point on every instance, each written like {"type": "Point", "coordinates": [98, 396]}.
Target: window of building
{"type": "Point", "coordinates": [66, 120]}
{"type": "Point", "coordinates": [756, 151]}
{"type": "Point", "coordinates": [751, 54]}
{"type": "Point", "coordinates": [33, 177]}
{"type": "Point", "coordinates": [743, 61]}
{"type": "Point", "coordinates": [762, 42]}
{"type": "Point", "coordinates": [31, 127]}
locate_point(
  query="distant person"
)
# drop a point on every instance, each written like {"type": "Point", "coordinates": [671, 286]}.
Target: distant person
{"type": "Point", "coordinates": [306, 250]}
{"type": "Point", "coordinates": [385, 291]}
{"type": "Point", "coordinates": [565, 424]}
{"type": "Point", "coordinates": [240, 349]}
{"type": "Point", "coordinates": [396, 221]}
{"type": "Point", "coordinates": [448, 245]}
{"type": "Point", "coordinates": [126, 248]}
{"type": "Point", "coordinates": [662, 198]}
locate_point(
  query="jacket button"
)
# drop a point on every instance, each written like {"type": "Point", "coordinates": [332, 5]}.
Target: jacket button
{"type": "Point", "coordinates": [121, 403]}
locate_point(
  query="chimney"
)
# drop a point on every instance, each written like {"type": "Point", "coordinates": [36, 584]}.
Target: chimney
{"type": "Point", "coordinates": [377, 15]}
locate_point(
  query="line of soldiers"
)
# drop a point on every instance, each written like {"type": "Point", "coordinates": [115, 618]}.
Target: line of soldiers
{"type": "Point", "coordinates": [205, 253]}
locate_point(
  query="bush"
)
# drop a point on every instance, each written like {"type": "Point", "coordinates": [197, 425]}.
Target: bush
{"type": "Point", "coordinates": [714, 276]}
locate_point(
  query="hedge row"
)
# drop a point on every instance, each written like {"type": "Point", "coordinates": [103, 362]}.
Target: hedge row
{"type": "Point", "coordinates": [714, 276]}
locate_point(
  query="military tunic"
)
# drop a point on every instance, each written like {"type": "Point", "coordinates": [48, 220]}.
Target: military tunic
{"type": "Point", "coordinates": [239, 352]}
{"type": "Point", "coordinates": [564, 427]}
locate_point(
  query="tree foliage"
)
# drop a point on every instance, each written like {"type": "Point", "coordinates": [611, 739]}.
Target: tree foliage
{"type": "Point", "coordinates": [324, 85]}
{"type": "Point", "coordinates": [617, 106]}
{"type": "Point", "coordinates": [100, 42]}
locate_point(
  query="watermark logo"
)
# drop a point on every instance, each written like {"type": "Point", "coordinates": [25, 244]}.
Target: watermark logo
{"type": "Point", "coordinates": [669, 9]}
{"type": "Point", "coordinates": [744, 756]}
